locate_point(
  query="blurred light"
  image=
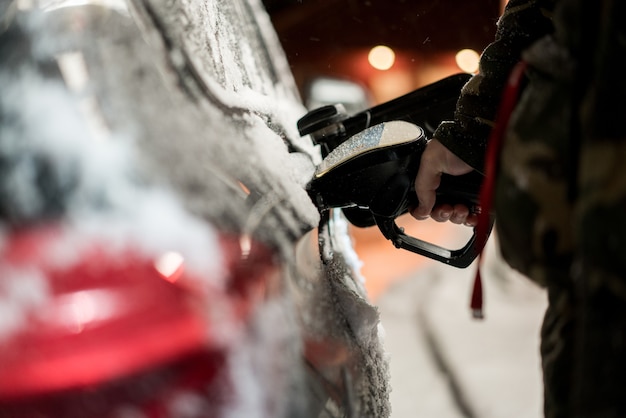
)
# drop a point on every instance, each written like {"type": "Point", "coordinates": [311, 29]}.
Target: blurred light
{"type": "Point", "coordinates": [381, 57]}
{"type": "Point", "coordinates": [170, 266]}
{"type": "Point", "coordinates": [79, 309]}
{"type": "Point", "coordinates": [245, 243]}
{"type": "Point", "coordinates": [467, 60]}
{"type": "Point", "coordinates": [325, 91]}
{"type": "Point", "coordinates": [244, 188]}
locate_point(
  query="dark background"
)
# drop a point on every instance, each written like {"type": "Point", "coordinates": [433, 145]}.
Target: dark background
{"type": "Point", "coordinates": [324, 37]}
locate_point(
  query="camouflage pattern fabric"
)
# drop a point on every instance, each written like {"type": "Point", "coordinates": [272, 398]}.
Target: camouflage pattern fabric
{"type": "Point", "coordinates": [522, 23]}
{"type": "Point", "coordinates": [561, 196]}
{"type": "Point", "coordinates": [560, 203]}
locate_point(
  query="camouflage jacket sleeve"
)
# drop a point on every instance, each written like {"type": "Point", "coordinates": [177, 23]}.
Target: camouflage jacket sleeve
{"type": "Point", "coordinates": [522, 23]}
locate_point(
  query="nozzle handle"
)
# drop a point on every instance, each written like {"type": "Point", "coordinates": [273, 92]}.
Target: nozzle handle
{"type": "Point", "coordinates": [460, 258]}
{"type": "Point", "coordinates": [399, 196]}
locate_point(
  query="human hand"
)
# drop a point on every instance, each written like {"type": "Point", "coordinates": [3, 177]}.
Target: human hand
{"type": "Point", "coordinates": [437, 160]}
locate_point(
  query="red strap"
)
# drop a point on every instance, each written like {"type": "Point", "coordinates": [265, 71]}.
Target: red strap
{"type": "Point", "coordinates": [494, 146]}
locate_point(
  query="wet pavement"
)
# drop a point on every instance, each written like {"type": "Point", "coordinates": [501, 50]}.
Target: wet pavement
{"type": "Point", "coordinates": [444, 363]}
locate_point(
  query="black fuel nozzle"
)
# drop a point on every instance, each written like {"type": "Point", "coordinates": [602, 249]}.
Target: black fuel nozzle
{"type": "Point", "coordinates": [426, 107]}
{"type": "Point", "coordinates": [325, 126]}
{"type": "Point", "coordinates": [370, 176]}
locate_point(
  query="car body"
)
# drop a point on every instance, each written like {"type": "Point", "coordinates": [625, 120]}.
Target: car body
{"type": "Point", "coordinates": [159, 253]}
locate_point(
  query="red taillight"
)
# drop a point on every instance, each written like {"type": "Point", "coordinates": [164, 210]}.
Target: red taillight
{"type": "Point", "coordinates": [108, 315]}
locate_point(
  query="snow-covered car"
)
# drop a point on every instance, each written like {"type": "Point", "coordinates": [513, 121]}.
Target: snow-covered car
{"type": "Point", "coordinates": [159, 255]}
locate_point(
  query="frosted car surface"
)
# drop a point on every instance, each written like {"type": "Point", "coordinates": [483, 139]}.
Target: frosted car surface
{"type": "Point", "coordinates": [167, 125]}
